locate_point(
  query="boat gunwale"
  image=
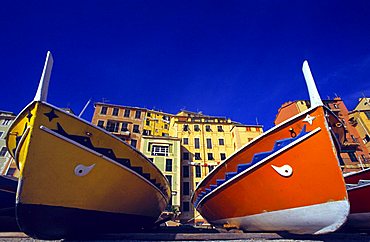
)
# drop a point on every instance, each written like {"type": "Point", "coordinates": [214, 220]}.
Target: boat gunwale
{"type": "Point", "coordinates": [357, 187]}
{"type": "Point", "coordinates": [92, 126]}
{"type": "Point", "coordinates": [265, 160]}
{"type": "Point", "coordinates": [51, 132]}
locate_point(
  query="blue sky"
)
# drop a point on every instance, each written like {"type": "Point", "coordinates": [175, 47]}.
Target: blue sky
{"type": "Point", "coordinates": [239, 59]}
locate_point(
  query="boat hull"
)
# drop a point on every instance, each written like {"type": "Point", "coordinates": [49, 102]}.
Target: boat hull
{"type": "Point", "coordinates": [301, 177]}
{"type": "Point", "coordinates": [73, 173]}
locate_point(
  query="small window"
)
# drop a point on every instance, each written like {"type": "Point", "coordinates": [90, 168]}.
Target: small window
{"type": "Point", "coordinates": [1, 134]}
{"type": "Point", "coordinates": [198, 171]}
{"type": "Point", "coordinates": [160, 150]}
{"type": "Point", "coordinates": [366, 139]}
{"type": "Point", "coordinates": [197, 156]}
{"type": "Point", "coordinates": [352, 156]}
{"type": "Point", "coordinates": [185, 188]}
{"type": "Point", "coordinates": [151, 159]}
{"type": "Point", "coordinates": [137, 114]}
{"type": "Point", "coordinates": [11, 171]}
{"type": "Point", "coordinates": [148, 114]}
{"type": "Point", "coordinates": [208, 128]}
{"type": "Point", "coordinates": [185, 156]}
{"type": "Point", "coordinates": [3, 151]}
{"type": "Point", "coordinates": [248, 129]}
{"type": "Point", "coordinates": [185, 171]}
{"type": "Point", "coordinates": [367, 113]}
{"type": "Point", "coordinates": [185, 127]}
{"type": "Point", "coordinates": [136, 129]}
{"type": "Point", "coordinates": [221, 141]}
{"type": "Point", "coordinates": [222, 156]}
{"type": "Point", "coordinates": [101, 123]}
{"type": "Point", "coordinates": [185, 206]}
{"type": "Point", "coordinates": [103, 110]}
{"type": "Point", "coordinates": [124, 126]}
{"type": "Point", "coordinates": [354, 138]}
{"type": "Point", "coordinates": [219, 128]}
{"type": "Point", "coordinates": [210, 168]}
{"type": "Point", "coordinates": [168, 164]}
{"type": "Point", "coordinates": [185, 141]}
{"type": "Point", "coordinates": [133, 143]}
{"type": "Point", "coordinates": [147, 122]}
{"type": "Point", "coordinates": [126, 113]}
{"type": "Point", "coordinates": [5, 122]}
{"type": "Point", "coordinates": [210, 156]}
{"type": "Point", "coordinates": [165, 126]}
{"type": "Point", "coordinates": [196, 127]}
{"type": "Point", "coordinates": [209, 143]}
{"type": "Point", "coordinates": [115, 111]}
{"type": "Point", "coordinates": [112, 126]}
{"type": "Point", "coordinates": [146, 132]}
{"type": "Point", "coordinates": [196, 143]}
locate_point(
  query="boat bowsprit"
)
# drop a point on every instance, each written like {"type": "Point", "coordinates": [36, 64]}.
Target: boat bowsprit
{"type": "Point", "coordinates": [76, 179]}
{"type": "Point", "coordinates": [287, 179]}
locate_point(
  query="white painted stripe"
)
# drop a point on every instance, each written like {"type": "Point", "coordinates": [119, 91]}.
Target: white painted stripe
{"type": "Point", "coordinates": [294, 143]}
{"type": "Point", "coordinates": [313, 219]}
{"type": "Point", "coordinates": [19, 146]}
{"type": "Point", "coordinates": [49, 131]}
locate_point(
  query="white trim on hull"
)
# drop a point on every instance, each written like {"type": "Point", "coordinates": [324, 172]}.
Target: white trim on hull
{"type": "Point", "coordinates": [314, 219]}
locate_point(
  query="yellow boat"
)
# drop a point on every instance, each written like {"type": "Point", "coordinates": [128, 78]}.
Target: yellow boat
{"type": "Point", "coordinates": [76, 179]}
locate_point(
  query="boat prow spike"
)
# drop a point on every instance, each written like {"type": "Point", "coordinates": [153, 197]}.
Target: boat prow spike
{"type": "Point", "coordinates": [42, 90]}
{"type": "Point", "coordinates": [312, 89]}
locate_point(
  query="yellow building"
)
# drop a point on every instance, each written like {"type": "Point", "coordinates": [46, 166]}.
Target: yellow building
{"type": "Point", "coordinates": [205, 142]}
{"type": "Point", "coordinates": [360, 118]}
{"type": "Point", "coordinates": [131, 123]}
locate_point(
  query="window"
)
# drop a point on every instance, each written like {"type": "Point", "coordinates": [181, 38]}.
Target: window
{"type": "Point", "coordinates": [219, 128]}
{"type": "Point", "coordinates": [146, 132]}
{"type": "Point", "coordinates": [209, 143]}
{"type": "Point", "coordinates": [138, 114]}
{"type": "Point", "coordinates": [133, 143]}
{"type": "Point", "coordinates": [101, 123]}
{"type": "Point", "coordinates": [147, 122]}
{"type": "Point", "coordinates": [185, 141]}
{"type": "Point", "coordinates": [169, 178]}
{"type": "Point", "coordinates": [197, 156]}
{"type": "Point", "coordinates": [3, 151]}
{"type": "Point", "coordinates": [185, 127]}
{"type": "Point", "coordinates": [196, 127]}
{"type": "Point", "coordinates": [352, 156]}
{"type": "Point", "coordinates": [185, 188]}
{"type": "Point", "coordinates": [198, 171]}
{"type": "Point", "coordinates": [136, 129]}
{"type": "Point", "coordinates": [127, 113]}
{"type": "Point", "coordinates": [366, 139]}
{"type": "Point", "coordinates": [151, 159]}
{"type": "Point", "coordinates": [165, 126]}
{"type": "Point", "coordinates": [159, 150]}
{"type": "Point", "coordinates": [148, 114]}
{"type": "Point", "coordinates": [103, 110]}
{"type": "Point", "coordinates": [208, 128]}
{"type": "Point", "coordinates": [185, 156]}
{"type": "Point", "coordinates": [367, 113]}
{"type": "Point", "coordinates": [11, 171]}
{"type": "Point", "coordinates": [221, 142]}
{"type": "Point", "coordinates": [1, 134]}
{"type": "Point", "coordinates": [210, 156]}
{"type": "Point", "coordinates": [166, 118]}
{"type": "Point", "coordinates": [210, 168]}
{"type": "Point", "coordinates": [165, 134]}
{"type": "Point", "coordinates": [353, 138]}
{"type": "Point", "coordinates": [115, 111]}
{"type": "Point", "coordinates": [223, 156]}
{"type": "Point", "coordinates": [124, 126]}
{"type": "Point", "coordinates": [185, 206]}
{"type": "Point", "coordinates": [112, 126]}
{"type": "Point", "coordinates": [185, 171]}
{"type": "Point", "coordinates": [168, 164]}
{"type": "Point", "coordinates": [335, 106]}
{"type": "Point", "coordinates": [196, 143]}
{"type": "Point", "coordinates": [248, 129]}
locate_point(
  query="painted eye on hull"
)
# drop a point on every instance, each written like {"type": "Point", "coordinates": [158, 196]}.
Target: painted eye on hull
{"type": "Point", "coordinates": [81, 170]}
{"type": "Point", "coordinates": [285, 170]}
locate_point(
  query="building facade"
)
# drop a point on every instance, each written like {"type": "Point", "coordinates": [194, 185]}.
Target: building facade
{"type": "Point", "coordinates": [205, 142]}
{"type": "Point", "coordinates": [360, 119]}
{"type": "Point", "coordinates": [354, 155]}
{"type": "Point", "coordinates": [6, 119]}
{"type": "Point", "coordinates": [164, 152]}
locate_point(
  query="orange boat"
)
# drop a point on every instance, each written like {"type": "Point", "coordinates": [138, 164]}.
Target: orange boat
{"type": "Point", "coordinates": [287, 179]}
